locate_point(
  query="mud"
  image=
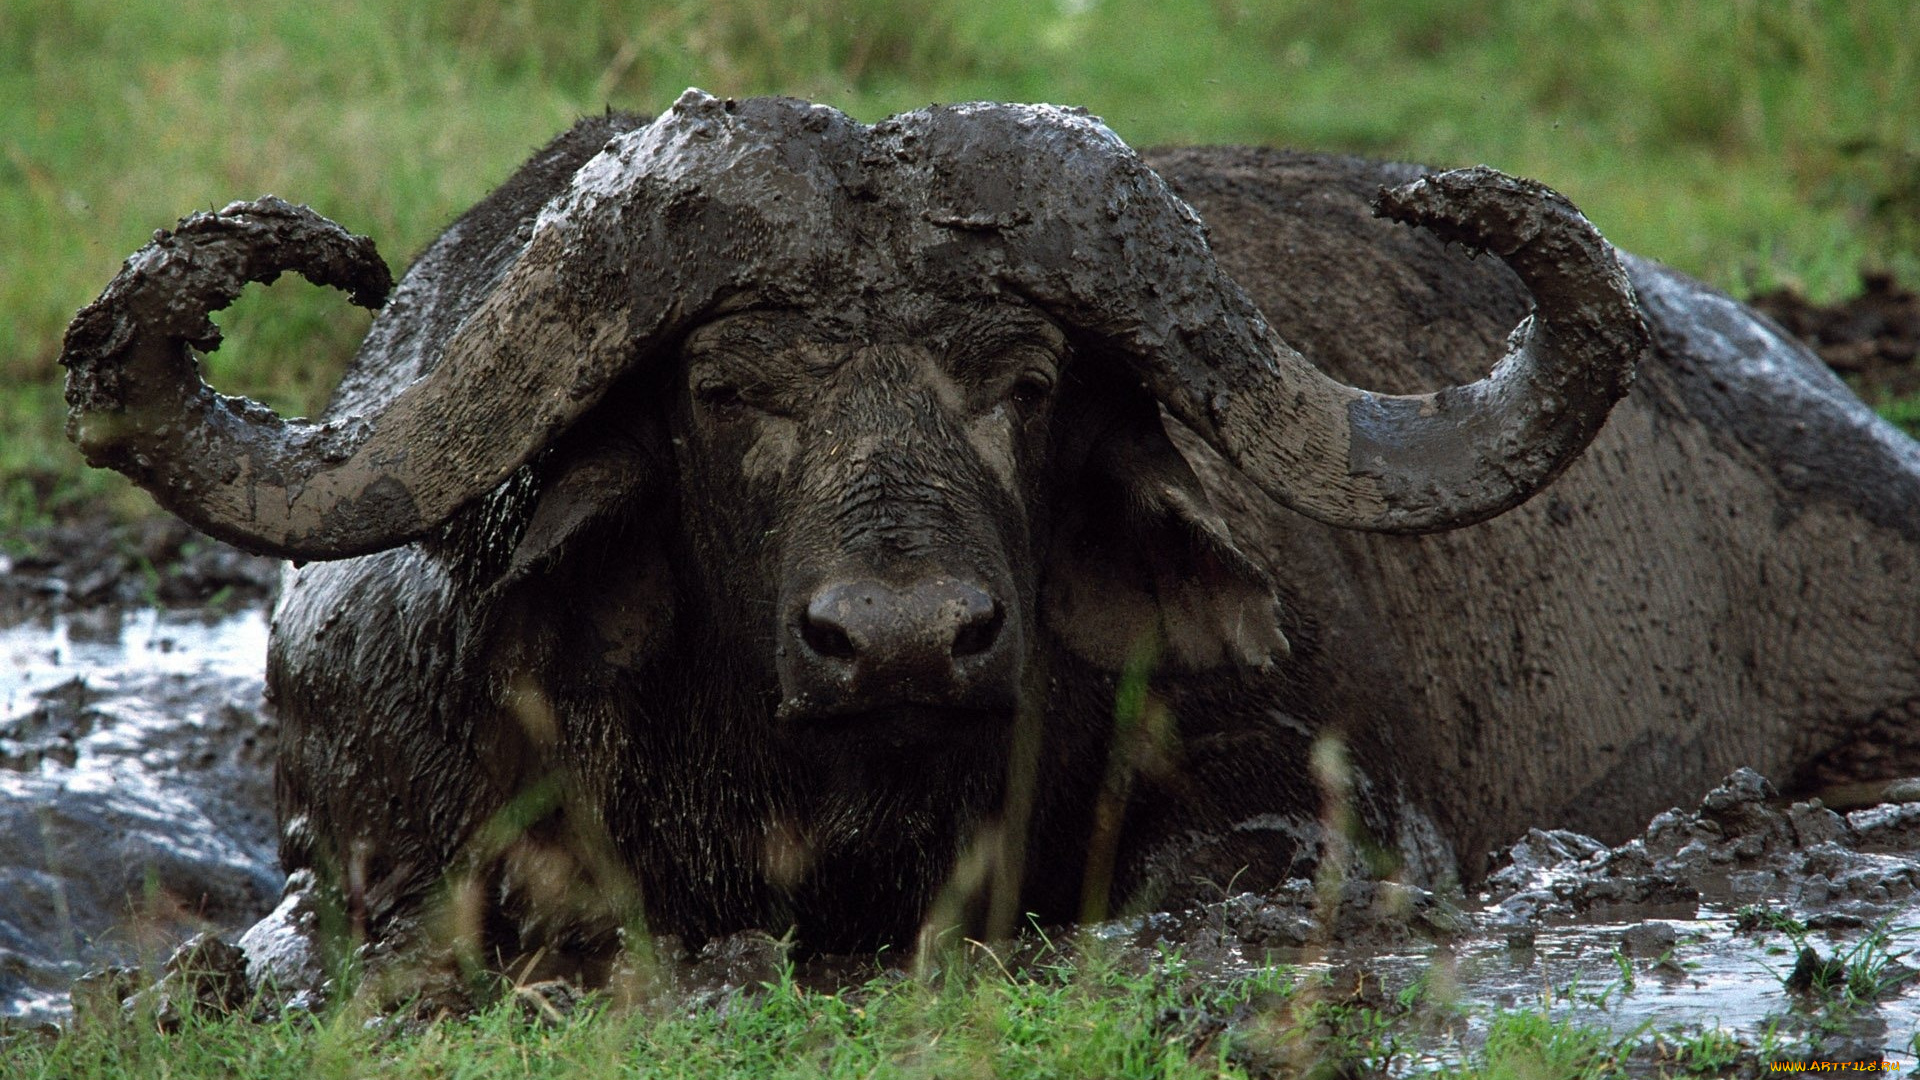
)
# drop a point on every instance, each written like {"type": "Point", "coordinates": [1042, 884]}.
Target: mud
{"type": "Point", "coordinates": [134, 756]}
{"type": "Point", "coordinates": [85, 561]}
{"type": "Point", "coordinates": [1702, 922]}
{"type": "Point", "coordinates": [1787, 927]}
{"type": "Point", "coordinates": [1746, 909]}
{"type": "Point", "coordinates": [136, 759]}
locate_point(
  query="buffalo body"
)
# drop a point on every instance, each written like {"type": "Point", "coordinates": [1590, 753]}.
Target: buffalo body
{"type": "Point", "coordinates": [897, 604]}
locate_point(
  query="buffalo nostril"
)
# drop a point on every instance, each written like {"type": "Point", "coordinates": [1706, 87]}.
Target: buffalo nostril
{"type": "Point", "coordinates": [978, 630]}
{"type": "Point", "coordinates": [919, 632]}
{"type": "Point", "coordinates": [824, 635]}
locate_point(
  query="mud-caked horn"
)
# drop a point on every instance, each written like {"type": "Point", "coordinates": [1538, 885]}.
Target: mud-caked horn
{"type": "Point", "coordinates": [1423, 462]}
{"type": "Point", "coordinates": [645, 236]}
{"type": "Point", "coordinates": [342, 485]}
{"type": "Point", "coordinates": [784, 203]}
{"type": "Point", "coordinates": [1084, 228]}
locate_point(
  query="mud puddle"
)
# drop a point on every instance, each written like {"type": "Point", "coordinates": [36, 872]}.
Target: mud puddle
{"type": "Point", "coordinates": [135, 792]}
{"type": "Point", "coordinates": [1746, 931]}
{"type": "Point", "coordinates": [1750, 927]}
{"type": "Point", "coordinates": [1665, 990]}
{"type": "Point", "coordinates": [1708, 976]}
{"type": "Point", "coordinates": [107, 646]}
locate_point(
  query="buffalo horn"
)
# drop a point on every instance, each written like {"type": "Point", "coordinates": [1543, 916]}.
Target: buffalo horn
{"type": "Point", "coordinates": [644, 238]}
{"type": "Point", "coordinates": [784, 203]}
{"type": "Point", "coordinates": [295, 488]}
{"type": "Point", "coordinates": [1088, 232]}
{"type": "Point", "coordinates": [1425, 462]}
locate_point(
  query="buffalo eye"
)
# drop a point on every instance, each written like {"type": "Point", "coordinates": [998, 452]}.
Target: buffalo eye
{"type": "Point", "coordinates": [1030, 390]}
{"type": "Point", "coordinates": [720, 399]}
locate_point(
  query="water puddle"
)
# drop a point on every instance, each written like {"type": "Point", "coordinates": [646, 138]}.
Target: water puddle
{"type": "Point", "coordinates": [1673, 975]}
{"type": "Point", "coordinates": [108, 646]}
{"type": "Point", "coordinates": [1711, 978]}
{"type": "Point", "coordinates": [135, 792]}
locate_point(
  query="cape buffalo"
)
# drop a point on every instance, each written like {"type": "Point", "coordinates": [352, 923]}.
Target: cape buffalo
{"type": "Point", "coordinates": [754, 518]}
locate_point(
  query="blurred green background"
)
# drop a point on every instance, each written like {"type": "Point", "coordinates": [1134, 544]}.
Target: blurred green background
{"type": "Point", "coordinates": [1756, 143]}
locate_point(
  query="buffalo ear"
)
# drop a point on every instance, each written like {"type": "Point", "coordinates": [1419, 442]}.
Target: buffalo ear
{"type": "Point", "coordinates": [578, 495]}
{"type": "Point", "coordinates": [593, 543]}
{"type": "Point", "coordinates": [1141, 556]}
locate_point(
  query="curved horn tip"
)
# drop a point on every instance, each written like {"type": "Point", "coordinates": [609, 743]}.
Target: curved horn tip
{"type": "Point", "coordinates": [137, 402]}
{"type": "Point", "coordinates": [1428, 462]}
{"type": "Point", "coordinates": [168, 288]}
{"type": "Point", "coordinates": [298, 238]}
{"type": "Point", "coordinates": [1480, 207]}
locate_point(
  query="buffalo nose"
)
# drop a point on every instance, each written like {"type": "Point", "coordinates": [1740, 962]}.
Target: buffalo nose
{"type": "Point", "coordinates": [921, 634]}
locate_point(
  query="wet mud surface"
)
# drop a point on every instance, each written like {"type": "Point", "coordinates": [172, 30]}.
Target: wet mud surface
{"type": "Point", "coordinates": [136, 811]}
{"type": "Point", "coordinates": [1744, 915]}
{"type": "Point", "coordinates": [136, 792]}
{"type": "Point", "coordinates": [86, 562]}
{"type": "Point", "coordinates": [1787, 928]}
{"type": "Point", "coordinates": [136, 759]}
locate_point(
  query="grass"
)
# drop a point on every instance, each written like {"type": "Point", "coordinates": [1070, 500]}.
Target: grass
{"type": "Point", "coordinates": [1755, 143]}
{"type": "Point", "coordinates": [1082, 1017]}
{"type": "Point", "coordinates": [1086, 1019]}
{"type": "Point", "coordinates": [1072, 1013]}
{"type": "Point", "coordinates": [1857, 977]}
{"type": "Point", "coordinates": [1085, 1005]}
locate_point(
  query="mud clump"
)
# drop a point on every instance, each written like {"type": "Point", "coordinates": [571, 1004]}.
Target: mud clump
{"type": "Point", "coordinates": [1739, 847]}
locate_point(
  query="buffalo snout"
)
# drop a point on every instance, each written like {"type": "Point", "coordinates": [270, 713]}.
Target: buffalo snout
{"type": "Point", "coordinates": [865, 646]}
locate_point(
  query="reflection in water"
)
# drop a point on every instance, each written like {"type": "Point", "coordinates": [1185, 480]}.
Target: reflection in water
{"type": "Point", "coordinates": [1712, 978]}
{"type": "Point", "coordinates": [1632, 973]}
